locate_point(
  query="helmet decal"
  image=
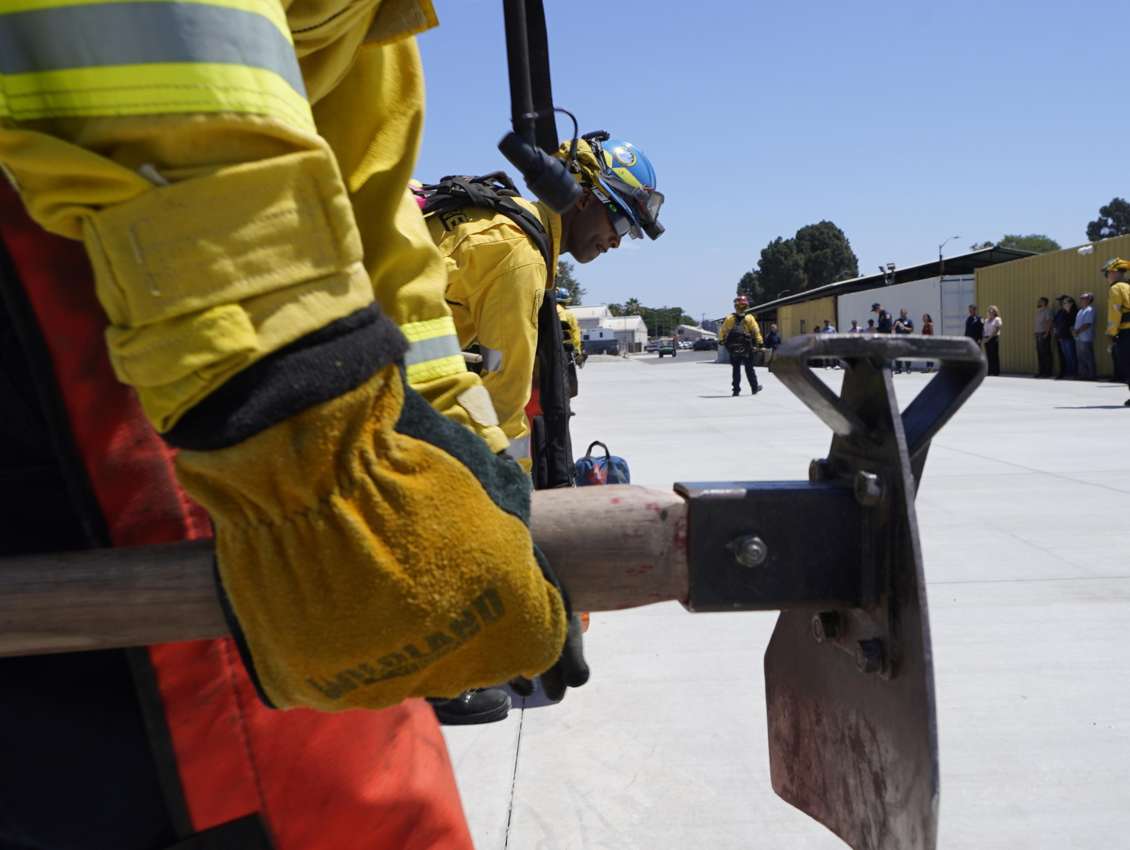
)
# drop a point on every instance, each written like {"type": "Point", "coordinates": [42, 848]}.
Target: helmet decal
{"type": "Point", "coordinates": [625, 156]}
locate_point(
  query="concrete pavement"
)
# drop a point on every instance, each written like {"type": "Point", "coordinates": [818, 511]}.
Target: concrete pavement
{"type": "Point", "coordinates": [1024, 516]}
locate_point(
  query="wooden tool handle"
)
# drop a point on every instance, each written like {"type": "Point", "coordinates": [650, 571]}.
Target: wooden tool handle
{"type": "Point", "coordinates": [611, 547]}
{"type": "Point", "coordinates": [614, 547]}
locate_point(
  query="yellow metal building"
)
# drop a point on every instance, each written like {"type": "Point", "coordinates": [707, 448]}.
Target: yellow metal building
{"type": "Point", "coordinates": [805, 317]}
{"type": "Point", "coordinates": [1016, 286]}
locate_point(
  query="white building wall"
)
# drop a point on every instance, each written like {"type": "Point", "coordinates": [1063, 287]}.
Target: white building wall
{"type": "Point", "coordinates": [957, 294]}
{"type": "Point", "coordinates": [591, 317]}
{"type": "Point", "coordinates": [945, 299]}
{"type": "Point", "coordinates": [918, 297]}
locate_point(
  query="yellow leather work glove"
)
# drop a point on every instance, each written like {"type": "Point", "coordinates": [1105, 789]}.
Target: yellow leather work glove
{"type": "Point", "coordinates": [370, 549]}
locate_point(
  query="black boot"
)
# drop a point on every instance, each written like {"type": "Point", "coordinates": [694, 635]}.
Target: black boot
{"type": "Point", "coordinates": [736, 392]}
{"type": "Point", "coordinates": [478, 705]}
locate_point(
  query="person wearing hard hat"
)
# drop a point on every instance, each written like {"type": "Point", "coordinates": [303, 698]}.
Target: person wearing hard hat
{"type": "Point", "coordinates": [1117, 273]}
{"type": "Point", "coordinates": [498, 276]}
{"type": "Point", "coordinates": [501, 261]}
{"type": "Point", "coordinates": [571, 338]}
{"type": "Point", "coordinates": [740, 334]}
{"type": "Point", "coordinates": [570, 327]}
{"type": "Point", "coordinates": [225, 278]}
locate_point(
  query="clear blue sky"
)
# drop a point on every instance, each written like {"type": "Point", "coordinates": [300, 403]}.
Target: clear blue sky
{"type": "Point", "coordinates": [904, 123]}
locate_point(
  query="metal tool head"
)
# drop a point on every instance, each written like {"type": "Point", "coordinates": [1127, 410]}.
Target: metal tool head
{"type": "Point", "coordinates": [850, 691]}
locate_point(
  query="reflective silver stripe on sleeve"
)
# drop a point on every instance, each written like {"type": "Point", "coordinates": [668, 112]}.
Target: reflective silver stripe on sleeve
{"type": "Point", "coordinates": [519, 449]}
{"type": "Point", "coordinates": [435, 348]}
{"type": "Point", "coordinates": [492, 360]}
{"type": "Point", "coordinates": [104, 34]}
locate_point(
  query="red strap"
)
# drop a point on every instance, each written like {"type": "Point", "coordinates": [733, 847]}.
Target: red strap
{"type": "Point", "coordinates": [374, 780]}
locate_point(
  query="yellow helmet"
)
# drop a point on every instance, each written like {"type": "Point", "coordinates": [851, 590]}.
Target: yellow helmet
{"type": "Point", "coordinates": [1116, 264]}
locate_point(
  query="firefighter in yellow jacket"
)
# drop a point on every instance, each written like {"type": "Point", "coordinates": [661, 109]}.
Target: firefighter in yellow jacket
{"type": "Point", "coordinates": [740, 334]}
{"type": "Point", "coordinates": [1117, 273]}
{"type": "Point", "coordinates": [497, 276]}
{"type": "Point", "coordinates": [571, 340]}
{"type": "Point", "coordinates": [570, 328]}
{"type": "Point", "coordinates": [216, 160]}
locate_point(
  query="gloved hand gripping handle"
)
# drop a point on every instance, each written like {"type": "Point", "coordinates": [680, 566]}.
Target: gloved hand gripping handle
{"type": "Point", "coordinates": [632, 553]}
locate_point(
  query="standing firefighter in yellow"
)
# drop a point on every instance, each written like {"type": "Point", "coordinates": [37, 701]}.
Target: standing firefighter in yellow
{"type": "Point", "coordinates": [740, 334]}
{"type": "Point", "coordinates": [501, 262]}
{"type": "Point", "coordinates": [571, 337]}
{"type": "Point", "coordinates": [1117, 273]}
{"type": "Point", "coordinates": [236, 173]}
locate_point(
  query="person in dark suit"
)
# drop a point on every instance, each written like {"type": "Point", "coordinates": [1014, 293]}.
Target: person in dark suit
{"type": "Point", "coordinates": [1063, 324]}
{"type": "Point", "coordinates": [974, 325]}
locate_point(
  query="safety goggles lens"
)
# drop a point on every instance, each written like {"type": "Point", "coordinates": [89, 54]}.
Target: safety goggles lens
{"type": "Point", "coordinates": [646, 203]}
{"type": "Point", "coordinates": [620, 222]}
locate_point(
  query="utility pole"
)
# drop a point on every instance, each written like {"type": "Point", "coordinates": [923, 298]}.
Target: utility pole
{"type": "Point", "coordinates": [941, 265]}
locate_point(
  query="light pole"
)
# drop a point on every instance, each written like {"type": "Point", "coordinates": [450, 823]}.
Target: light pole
{"type": "Point", "coordinates": [888, 273]}
{"type": "Point", "coordinates": [941, 267]}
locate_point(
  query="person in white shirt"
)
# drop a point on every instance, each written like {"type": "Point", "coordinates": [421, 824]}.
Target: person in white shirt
{"type": "Point", "coordinates": [992, 340]}
{"type": "Point", "coordinates": [1084, 332]}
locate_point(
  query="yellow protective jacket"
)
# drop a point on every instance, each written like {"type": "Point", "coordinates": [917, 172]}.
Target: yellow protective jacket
{"type": "Point", "coordinates": [568, 319]}
{"type": "Point", "coordinates": [271, 120]}
{"type": "Point", "coordinates": [496, 281]}
{"type": "Point", "coordinates": [238, 173]}
{"type": "Point", "coordinates": [748, 322]}
{"type": "Point", "coordinates": [1118, 308]}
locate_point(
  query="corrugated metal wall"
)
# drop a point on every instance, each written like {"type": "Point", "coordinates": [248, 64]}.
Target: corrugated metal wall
{"type": "Point", "coordinates": [806, 317]}
{"type": "Point", "coordinates": [1015, 287]}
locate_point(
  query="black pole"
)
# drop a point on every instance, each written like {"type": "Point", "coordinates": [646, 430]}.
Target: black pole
{"type": "Point", "coordinates": [518, 61]}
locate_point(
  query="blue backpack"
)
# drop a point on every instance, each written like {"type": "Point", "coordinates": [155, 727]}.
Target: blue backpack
{"type": "Point", "coordinates": [610, 469]}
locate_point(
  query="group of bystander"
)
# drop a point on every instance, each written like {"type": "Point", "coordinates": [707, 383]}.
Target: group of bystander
{"type": "Point", "coordinates": [1069, 333]}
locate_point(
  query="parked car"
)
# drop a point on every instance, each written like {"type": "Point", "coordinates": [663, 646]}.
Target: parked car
{"type": "Point", "coordinates": [652, 345]}
{"type": "Point", "coordinates": [685, 344]}
{"type": "Point", "coordinates": [668, 346]}
{"type": "Point", "coordinates": [705, 344]}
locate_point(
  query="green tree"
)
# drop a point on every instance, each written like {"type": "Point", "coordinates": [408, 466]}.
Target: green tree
{"type": "Point", "coordinates": [662, 321]}
{"type": "Point", "coordinates": [1037, 242]}
{"type": "Point", "coordinates": [1113, 220]}
{"type": "Point", "coordinates": [567, 280]}
{"type": "Point", "coordinates": [750, 286]}
{"type": "Point", "coordinates": [826, 254]}
{"type": "Point", "coordinates": [616, 309]}
{"type": "Point", "coordinates": [632, 307]}
{"type": "Point", "coordinates": [818, 254]}
{"type": "Point", "coordinates": [780, 269]}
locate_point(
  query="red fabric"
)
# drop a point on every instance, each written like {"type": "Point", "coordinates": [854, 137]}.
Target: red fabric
{"type": "Point", "coordinates": [378, 780]}
{"type": "Point", "coordinates": [533, 406]}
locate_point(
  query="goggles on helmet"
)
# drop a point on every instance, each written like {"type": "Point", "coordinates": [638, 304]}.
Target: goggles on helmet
{"type": "Point", "coordinates": [640, 204]}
